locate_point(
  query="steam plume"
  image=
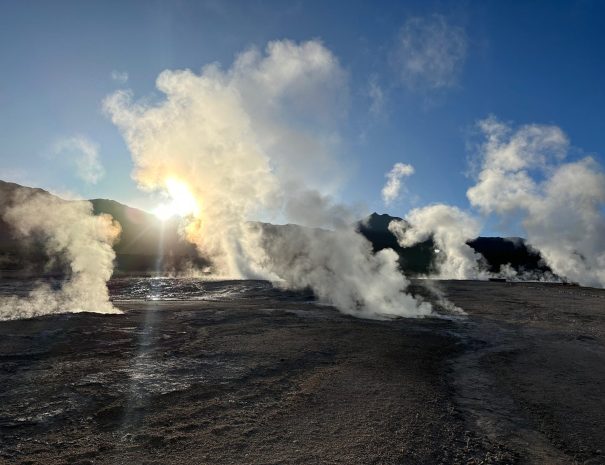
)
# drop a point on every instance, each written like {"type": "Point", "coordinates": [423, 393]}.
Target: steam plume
{"type": "Point", "coordinates": [391, 189]}
{"type": "Point", "coordinates": [70, 231]}
{"type": "Point", "coordinates": [523, 175]}
{"type": "Point", "coordinates": [262, 137]}
{"type": "Point", "coordinates": [450, 228]}
{"type": "Point", "coordinates": [342, 270]}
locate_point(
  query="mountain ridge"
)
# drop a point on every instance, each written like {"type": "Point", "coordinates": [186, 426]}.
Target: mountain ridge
{"type": "Point", "coordinates": [149, 244]}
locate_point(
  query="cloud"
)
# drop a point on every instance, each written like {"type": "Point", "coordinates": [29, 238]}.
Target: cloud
{"type": "Point", "coordinates": [120, 77]}
{"type": "Point", "coordinates": [524, 177]}
{"type": "Point", "coordinates": [507, 158]}
{"type": "Point", "coordinates": [393, 186]}
{"type": "Point", "coordinates": [376, 95]}
{"type": "Point", "coordinates": [430, 53]}
{"type": "Point", "coordinates": [84, 153]}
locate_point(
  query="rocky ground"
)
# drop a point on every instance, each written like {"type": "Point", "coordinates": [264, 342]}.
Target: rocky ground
{"type": "Point", "coordinates": [284, 381]}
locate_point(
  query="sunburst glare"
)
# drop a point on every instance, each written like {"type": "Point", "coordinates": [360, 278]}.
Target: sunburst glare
{"type": "Point", "coordinates": [182, 202]}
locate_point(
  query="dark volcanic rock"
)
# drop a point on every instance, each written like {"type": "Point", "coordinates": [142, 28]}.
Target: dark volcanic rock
{"type": "Point", "coordinates": [274, 379]}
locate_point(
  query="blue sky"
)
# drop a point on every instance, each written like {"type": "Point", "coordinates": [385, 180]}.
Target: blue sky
{"type": "Point", "coordinates": [524, 62]}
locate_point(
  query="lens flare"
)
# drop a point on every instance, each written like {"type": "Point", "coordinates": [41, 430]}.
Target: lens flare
{"type": "Point", "coordinates": [182, 202]}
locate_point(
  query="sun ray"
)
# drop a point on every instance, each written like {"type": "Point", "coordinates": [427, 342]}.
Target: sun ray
{"type": "Point", "coordinates": [182, 202]}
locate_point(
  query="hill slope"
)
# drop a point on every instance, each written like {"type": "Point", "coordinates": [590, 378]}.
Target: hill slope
{"type": "Point", "coordinates": [497, 251]}
{"type": "Point", "coordinates": [147, 244]}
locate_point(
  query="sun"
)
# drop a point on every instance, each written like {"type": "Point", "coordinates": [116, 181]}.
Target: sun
{"type": "Point", "coordinates": [182, 201]}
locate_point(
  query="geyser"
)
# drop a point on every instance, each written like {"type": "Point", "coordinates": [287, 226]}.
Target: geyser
{"type": "Point", "coordinates": [450, 228]}
{"type": "Point", "coordinates": [67, 230]}
{"type": "Point", "coordinates": [253, 139]}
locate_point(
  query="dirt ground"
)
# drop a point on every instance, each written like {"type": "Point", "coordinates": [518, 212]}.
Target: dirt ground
{"type": "Point", "coordinates": [261, 380]}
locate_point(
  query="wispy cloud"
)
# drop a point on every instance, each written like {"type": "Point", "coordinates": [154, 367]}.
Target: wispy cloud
{"type": "Point", "coordinates": [120, 77]}
{"type": "Point", "coordinates": [430, 53]}
{"type": "Point", "coordinates": [84, 153]}
{"type": "Point", "coordinates": [376, 94]}
{"type": "Point", "coordinates": [393, 187]}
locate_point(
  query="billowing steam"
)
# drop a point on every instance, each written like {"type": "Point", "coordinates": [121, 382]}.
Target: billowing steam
{"type": "Point", "coordinates": [261, 137]}
{"type": "Point", "coordinates": [524, 180]}
{"type": "Point", "coordinates": [67, 230]}
{"type": "Point", "coordinates": [450, 228]}
{"type": "Point", "coordinates": [341, 269]}
{"type": "Point", "coordinates": [391, 189]}
{"type": "Point", "coordinates": [523, 175]}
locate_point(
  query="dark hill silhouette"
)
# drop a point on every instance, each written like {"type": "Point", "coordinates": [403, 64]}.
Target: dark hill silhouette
{"type": "Point", "coordinates": [497, 251]}
{"type": "Point", "coordinates": [7, 241]}
{"type": "Point", "coordinates": [147, 244]}
{"type": "Point", "coordinates": [418, 259]}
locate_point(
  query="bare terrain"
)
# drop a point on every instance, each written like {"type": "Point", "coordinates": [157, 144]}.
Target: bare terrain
{"type": "Point", "coordinates": [274, 378]}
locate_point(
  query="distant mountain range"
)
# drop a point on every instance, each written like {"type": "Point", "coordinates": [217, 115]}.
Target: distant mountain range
{"type": "Point", "coordinates": [148, 244]}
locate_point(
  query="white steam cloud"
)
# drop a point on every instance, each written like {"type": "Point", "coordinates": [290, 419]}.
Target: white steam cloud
{"type": "Point", "coordinates": [68, 231]}
{"type": "Point", "coordinates": [376, 95]}
{"type": "Point", "coordinates": [121, 77]}
{"type": "Point", "coordinates": [341, 269]}
{"type": "Point", "coordinates": [430, 53]}
{"type": "Point", "coordinates": [522, 178]}
{"type": "Point", "coordinates": [450, 228]}
{"type": "Point", "coordinates": [560, 204]}
{"type": "Point", "coordinates": [85, 155]}
{"type": "Point", "coordinates": [392, 188]}
{"type": "Point", "coordinates": [261, 136]}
